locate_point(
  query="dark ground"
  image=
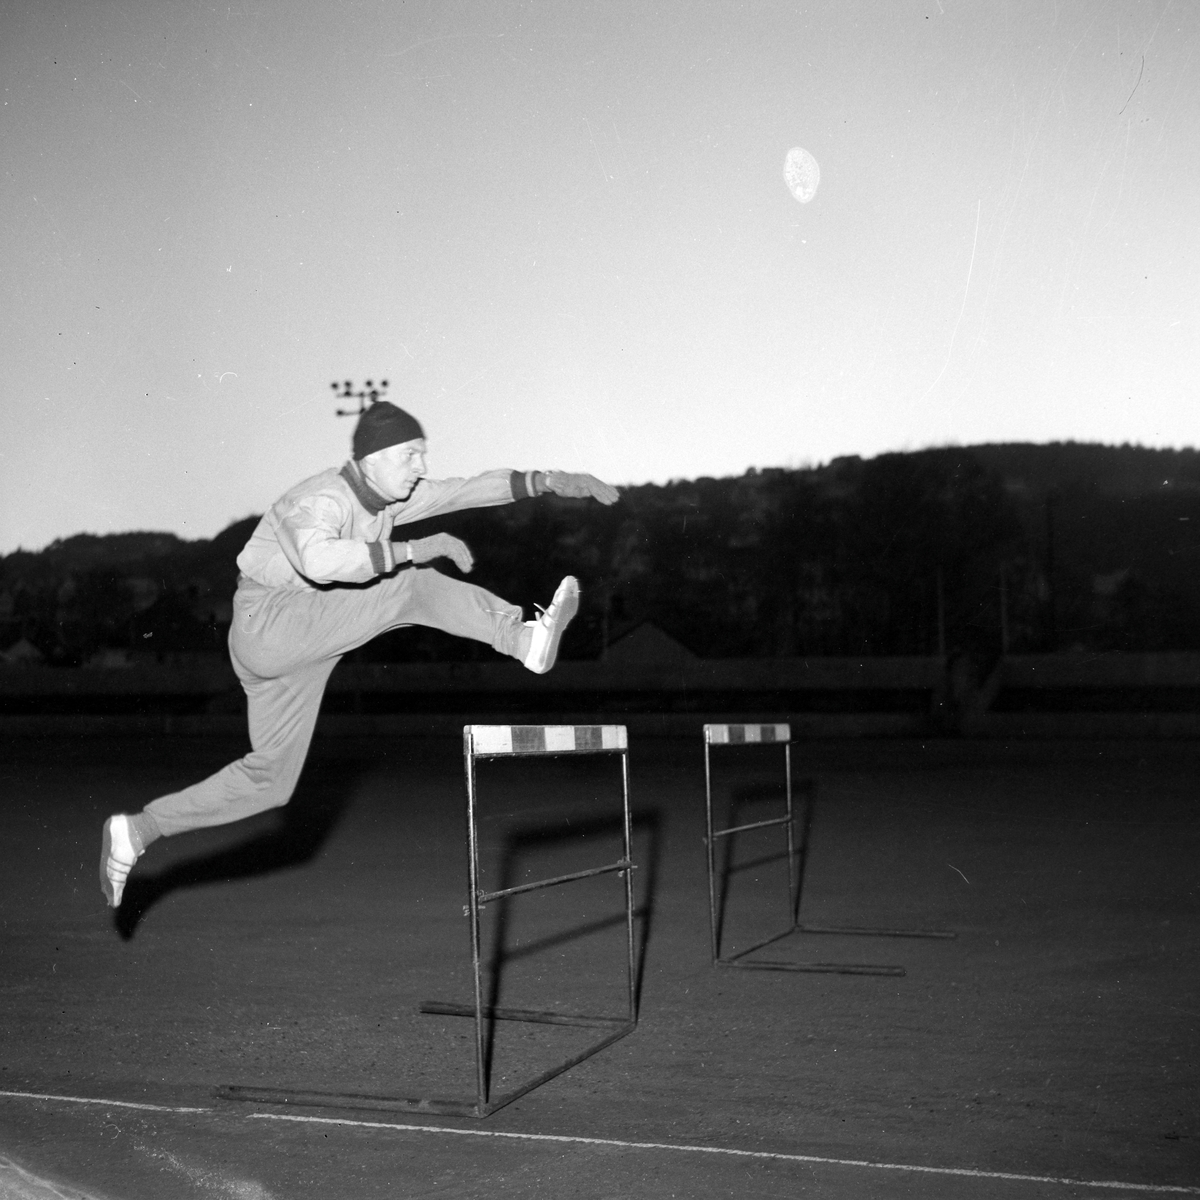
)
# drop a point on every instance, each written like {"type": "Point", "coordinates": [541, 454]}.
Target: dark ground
{"type": "Point", "coordinates": [1057, 1036]}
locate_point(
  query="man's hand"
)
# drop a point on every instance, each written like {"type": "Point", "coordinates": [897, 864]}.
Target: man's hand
{"type": "Point", "coordinates": [580, 487]}
{"type": "Point", "coordinates": [441, 545]}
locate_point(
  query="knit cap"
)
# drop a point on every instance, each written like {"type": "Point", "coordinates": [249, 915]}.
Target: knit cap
{"type": "Point", "coordinates": [383, 425]}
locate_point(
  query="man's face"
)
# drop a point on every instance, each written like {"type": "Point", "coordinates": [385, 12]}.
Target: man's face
{"type": "Point", "coordinates": [393, 471]}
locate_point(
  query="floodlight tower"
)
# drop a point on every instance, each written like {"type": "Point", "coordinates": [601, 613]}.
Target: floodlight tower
{"type": "Point", "coordinates": [365, 398]}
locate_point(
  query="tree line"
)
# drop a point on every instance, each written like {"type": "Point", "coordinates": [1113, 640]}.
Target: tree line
{"type": "Point", "coordinates": [978, 550]}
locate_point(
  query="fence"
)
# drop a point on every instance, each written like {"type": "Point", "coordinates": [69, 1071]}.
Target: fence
{"type": "Point", "coordinates": [1148, 695]}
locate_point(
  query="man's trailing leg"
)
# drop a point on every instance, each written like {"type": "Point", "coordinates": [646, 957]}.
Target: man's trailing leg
{"type": "Point", "coordinates": [123, 842]}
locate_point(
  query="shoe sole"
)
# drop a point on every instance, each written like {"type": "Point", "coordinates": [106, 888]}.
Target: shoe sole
{"type": "Point", "coordinates": [106, 884]}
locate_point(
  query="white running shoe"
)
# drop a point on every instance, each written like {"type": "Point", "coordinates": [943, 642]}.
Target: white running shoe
{"type": "Point", "coordinates": [117, 856]}
{"type": "Point", "coordinates": [548, 628]}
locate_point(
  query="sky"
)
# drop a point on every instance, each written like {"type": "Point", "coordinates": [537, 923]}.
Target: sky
{"type": "Point", "coordinates": [560, 229]}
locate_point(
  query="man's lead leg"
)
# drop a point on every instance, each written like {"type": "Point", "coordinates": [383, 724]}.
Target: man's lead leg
{"type": "Point", "coordinates": [433, 599]}
{"type": "Point", "coordinates": [548, 629]}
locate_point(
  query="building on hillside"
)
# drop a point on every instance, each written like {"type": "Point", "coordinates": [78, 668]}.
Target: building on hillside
{"type": "Point", "coordinates": [21, 653]}
{"type": "Point", "coordinates": [646, 643]}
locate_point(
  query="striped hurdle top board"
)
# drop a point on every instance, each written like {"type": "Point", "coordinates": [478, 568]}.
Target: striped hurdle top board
{"type": "Point", "coordinates": [741, 735]}
{"type": "Point", "coordinates": [487, 740]}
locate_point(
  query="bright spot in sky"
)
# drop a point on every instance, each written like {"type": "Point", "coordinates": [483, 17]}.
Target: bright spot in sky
{"type": "Point", "coordinates": [801, 174]}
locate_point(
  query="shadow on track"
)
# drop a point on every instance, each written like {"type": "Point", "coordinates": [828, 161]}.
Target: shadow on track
{"type": "Point", "coordinates": [303, 825]}
{"type": "Point", "coordinates": [646, 829]}
{"type": "Point", "coordinates": [743, 806]}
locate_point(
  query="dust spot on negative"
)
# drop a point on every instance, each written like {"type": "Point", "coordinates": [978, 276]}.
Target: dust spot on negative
{"type": "Point", "coordinates": [18, 1184]}
{"type": "Point", "coordinates": [217, 1183]}
{"type": "Point", "coordinates": [801, 174]}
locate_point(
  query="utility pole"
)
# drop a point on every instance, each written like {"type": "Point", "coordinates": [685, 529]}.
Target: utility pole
{"type": "Point", "coordinates": [941, 613]}
{"type": "Point", "coordinates": [1052, 499]}
{"type": "Point", "coordinates": [1003, 611]}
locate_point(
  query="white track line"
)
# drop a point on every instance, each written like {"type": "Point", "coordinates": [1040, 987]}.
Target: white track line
{"type": "Point", "coordinates": [761, 1154]}
{"type": "Point", "coordinates": [106, 1103]}
{"type": "Point", "coordinates": [560, 1139]}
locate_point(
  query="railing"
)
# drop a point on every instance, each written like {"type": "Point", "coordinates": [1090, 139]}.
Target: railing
{"type": "Point", "coordinates": [1122, 694]}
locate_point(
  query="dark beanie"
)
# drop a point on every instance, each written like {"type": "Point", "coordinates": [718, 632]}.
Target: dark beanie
{"type": "Point", "coordinates": [381, 426]}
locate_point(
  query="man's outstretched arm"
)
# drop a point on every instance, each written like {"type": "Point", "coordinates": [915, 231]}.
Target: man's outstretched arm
{"type": "Point", "coordinates": [433, 496]}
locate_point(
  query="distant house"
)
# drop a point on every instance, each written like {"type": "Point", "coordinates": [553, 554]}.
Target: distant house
{"type": "Point", "coordinates": [646, 643]}
{"type": "Point", "coordinates": [21, 653]}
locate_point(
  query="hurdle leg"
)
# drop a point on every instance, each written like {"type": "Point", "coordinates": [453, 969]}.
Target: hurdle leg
{"type": "Point", "coordinates": [481, 1082]}
{"type": "Point", "coordinates": [631, 963]}
{"type": "Point", "coordinates": [793, 881]}
{"type": "Point", "coordinates": [710, 843]}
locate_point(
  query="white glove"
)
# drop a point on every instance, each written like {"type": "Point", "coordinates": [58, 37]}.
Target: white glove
{"type": "Point", "coordinates": [441, 545]}
{"type": "Point", "coordinates": [580, 487]}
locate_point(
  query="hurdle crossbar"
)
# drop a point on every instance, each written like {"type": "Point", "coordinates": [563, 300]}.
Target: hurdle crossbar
{"type": "Point", "coordinates": [486, 742]}
{"type": "Point", "coordinates": [768, 735]}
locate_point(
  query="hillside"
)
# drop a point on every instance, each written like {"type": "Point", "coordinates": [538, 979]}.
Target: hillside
{"type": "Point", "coordinates": [975, 549]}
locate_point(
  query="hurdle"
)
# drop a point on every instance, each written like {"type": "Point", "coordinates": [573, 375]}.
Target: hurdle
{"type": "Point", "coordinates": [491, 742]}
{"type": "Point", "coordinates": [777, 734]}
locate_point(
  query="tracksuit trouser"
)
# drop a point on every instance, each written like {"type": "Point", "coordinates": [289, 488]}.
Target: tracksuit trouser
{"type": "Point", "coordinates": [284, 644]}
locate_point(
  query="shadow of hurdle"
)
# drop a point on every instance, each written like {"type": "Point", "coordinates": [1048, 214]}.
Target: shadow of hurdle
{"type": "Point", "coordinates": [518, 847]}
{"type": "Point", "coordinates": [742, 815]}
{"type": "Point", "coordinates": [743, 805]}
{"type": "Point", "coordinates": [302, 827]}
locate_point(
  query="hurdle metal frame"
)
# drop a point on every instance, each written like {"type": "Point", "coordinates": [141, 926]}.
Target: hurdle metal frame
{"type": "Point", "coordinates": [778, 734]}
{"type": "Point", "coordinates": [488, 742]}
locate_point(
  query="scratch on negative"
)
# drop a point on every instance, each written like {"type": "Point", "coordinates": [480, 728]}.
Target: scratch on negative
{"type": "Point", "coordinates": [1135, 86]}
{"type": "Point", "coordinates": [964, 878]}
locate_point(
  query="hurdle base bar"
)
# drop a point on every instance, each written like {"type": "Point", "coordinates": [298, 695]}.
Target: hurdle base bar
{"type": "Point", "coordinates": [359, 1101]}
{"type": "Point", "coordinates": [762, 964]}
{"type": "Point", "coordinates": [814, 968]}
{"type": "Point", "coordinates": [864, 931]}
{"type": "Point", "coordinates": [533, 1015]}
{"type": "Point", "coordinates": [348, 1100]}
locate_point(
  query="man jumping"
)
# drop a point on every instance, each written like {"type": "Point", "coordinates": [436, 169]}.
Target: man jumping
{"type": "Point", "coordinates": [321, 575]}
